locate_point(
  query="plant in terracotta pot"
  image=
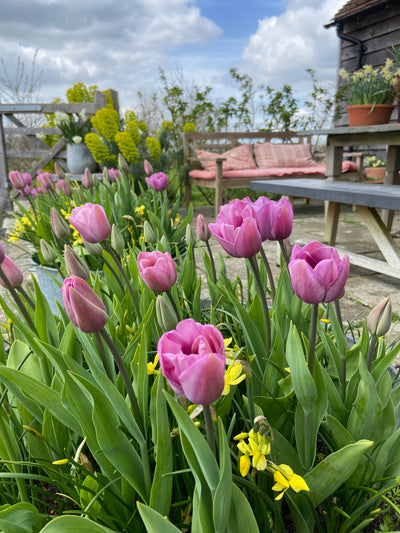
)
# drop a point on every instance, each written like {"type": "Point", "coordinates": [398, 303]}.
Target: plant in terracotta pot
{"type": "Point", "coordinates": [375, 169]}
{"type": "Point", "coordinates": [370, 94]}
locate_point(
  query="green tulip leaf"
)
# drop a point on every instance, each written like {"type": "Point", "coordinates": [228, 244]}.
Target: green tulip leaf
{"type": "Point", "coordinates": [74, 524]}
{"type": "Point", "coordinates": [154, 521]}
{"type": "Point", "coordinates": [19, 518]}
{"type": "Point", "coordinates": [241, 517]}
{"type": "Point", "coordinates": [223, 492]}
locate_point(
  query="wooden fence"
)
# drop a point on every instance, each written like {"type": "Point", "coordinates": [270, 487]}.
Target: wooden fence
{"type": "Point", "coordinates": [40, 150]}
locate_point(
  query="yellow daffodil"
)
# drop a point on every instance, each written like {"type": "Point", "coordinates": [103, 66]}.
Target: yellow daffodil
{"type": "Point", "coordinates": [285, 478]}
{"type": "Point", "coordinates": [233, 376]}
{"type": "Point", "coordinates": [151, 367]}
{"type": "Point", "coordinates": [140, 210]}
{"type": "Point", "coordinates": [253, 451]}
{"type": "Point", "coordinates": [61, 462]}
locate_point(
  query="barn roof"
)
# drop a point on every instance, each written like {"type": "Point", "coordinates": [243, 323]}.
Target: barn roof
{"type": "Point", "coordinates": [355, 7]}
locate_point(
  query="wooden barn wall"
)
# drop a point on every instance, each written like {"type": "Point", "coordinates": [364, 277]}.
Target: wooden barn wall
{"type": "Point", "coordinates": [378, 31]}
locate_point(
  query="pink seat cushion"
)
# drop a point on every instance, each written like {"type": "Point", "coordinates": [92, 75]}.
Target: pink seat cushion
{"type": "Point", "coordinates": [317, 170]}
{"type": "Point", "coordinates": [239, 158]}
{"type": "Point", "coordinates": [274, 155]}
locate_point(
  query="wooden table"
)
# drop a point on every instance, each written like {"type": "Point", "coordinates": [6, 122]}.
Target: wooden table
{"type": "Point", "coordinates": [366, 197]}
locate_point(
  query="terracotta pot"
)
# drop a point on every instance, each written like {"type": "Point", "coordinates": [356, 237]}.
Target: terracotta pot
{"type": "Point", "coordinates": [369, 115]}
{"type": "Point", "coordinates": [375, 173]}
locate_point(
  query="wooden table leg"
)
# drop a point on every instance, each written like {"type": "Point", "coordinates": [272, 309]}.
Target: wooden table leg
{"type": "Point", "coordinates": [391, 178]}
{"type": "Point", "coordinates": [331, 222]}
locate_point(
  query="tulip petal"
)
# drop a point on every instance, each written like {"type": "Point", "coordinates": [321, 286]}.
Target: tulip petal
{"type": "Point", "coordinates": [204, 381]}
{"type": "Point", "coordinates": [89, 317]}
{"type": "Point", "coordinates": [305, 283]}
{"type": "Point", "coordinates": [336, 289]}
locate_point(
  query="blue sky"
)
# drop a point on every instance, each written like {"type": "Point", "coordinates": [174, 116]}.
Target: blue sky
{"type": "Point", "coordinates": [123, 44]}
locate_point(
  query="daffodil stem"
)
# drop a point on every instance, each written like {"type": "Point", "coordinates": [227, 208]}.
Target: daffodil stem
{"type": "Point", "coordinates": [269, 273]}
{"type": "Point", "coordinates": [123, 274]}
{"type": "Point", "coordinates": [209, 427]}
{"type": "Point", "coordinates": [313, 336]}
{"type": "Point", "coordinates": [284, 251]}
{"type": "Point", "coordinates": [371, 351]}
{"type": "Point", "coordinates": [250, 399]}
{"type": "Point", "coordinates": [210, 255]}
{"type": "Point", "coordinates": [125, 378]}
{"type": "Point", "coordinates": [171, 299]}
{"type": "Point", "coordinates": [256, 271]}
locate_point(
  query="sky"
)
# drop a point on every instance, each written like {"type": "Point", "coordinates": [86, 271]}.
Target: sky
{"type": "Point", "coordinates": [122, 44]}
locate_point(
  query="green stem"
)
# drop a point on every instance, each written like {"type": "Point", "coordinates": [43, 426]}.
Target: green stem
{"type": "Point", "coordinates": [26, 296]}
{"type": "Point", "coordinates": [17, 300]}
{"type": "Point", "coordinates": [269, 273]}
{"type": "Point", "coordinates": [171, 299]}
{"type": "Point", "coordinates": [125, 378]}
{"type": "Point", "coordinates": [104, 358]}
{"type": "Point", "coordinates": [209, 427]}
{"type": "Point", "coordinates": [123, 274]}
{"type": "Point", "coordinates": [371, 351]}
{"type": "Point", "coordinates": [313, 337]}
{"type": "Point", "coordinates": [250, 399]}
{"type": "Point", "coordinates": [256, 271]}
{"type": "Point", "coordinates": [284, 251]}
{"type": "Point", "coordinates": [338, 313]}
{"type": "Point", "coordinates": [114, 274]}
{"type": "Point", "coordinates": [210, 254]}
{"type": "Point", "coordinates": [343, 379]}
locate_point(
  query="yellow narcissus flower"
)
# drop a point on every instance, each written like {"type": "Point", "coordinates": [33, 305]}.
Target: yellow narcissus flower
{"type": "Point", "coordinates": [233, 376]}
{"type": "Point", "coordinates": [140, 210]}
{"type": "Point", "coordinates": [285, 478]}
{"type": "Point", "coordinates": [254, 451]}
{"type": "Point", "coordinates": [151, 367]}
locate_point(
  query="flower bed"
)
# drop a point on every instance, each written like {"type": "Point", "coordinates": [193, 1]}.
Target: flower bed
{"type": "Point", "coordinates": [149, 409]}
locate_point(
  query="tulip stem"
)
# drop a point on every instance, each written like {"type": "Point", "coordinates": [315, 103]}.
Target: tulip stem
{"type": "Point", "coordinates": [17, 300]}
{"type": "Point", "coordinates": [209, 427]}
{"type": "Point", "coordinates": [26, 296]}
{"type": "Point", "coordinates": [338, 313]}
{"type": "Point", "coordinates": [313, 336]}
{"type": "Point", "coordinates": [343, 379]}
{"type": "Point", "coordinates": [104, 358]}
{"type": "Point", "coordinates": [284, 251]}
{"type": "Point", "coordinates": [171, 299]}
{"type": "Point", "coordinates": [371, 351]}
{"type": "Point", "coordinates": [114, 274]}
{"type": "Point", "coordinates": [256, 271]}
{"type": "Point", "coordinates": [123, 273]}
{"type": "Point", "coordinates": [269, 273]}
{"type": "Point", "coordinates": [125, 378]}
{"type": "Point", "coordinates": [210, 254]}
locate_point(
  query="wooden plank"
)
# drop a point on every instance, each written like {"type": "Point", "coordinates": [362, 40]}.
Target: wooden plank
{"type": "Point", "coordinates": [89, 107]}
{"type": "Point", "coordinates": [32, 131]}
{"type": "Point", "coordinates": [4, 198]}
{"type": "Point", "coordinates": [27, 154]}
{"type": "Point", "coordinates": [50, 155]}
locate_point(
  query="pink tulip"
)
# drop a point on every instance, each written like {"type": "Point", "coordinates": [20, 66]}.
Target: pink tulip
{"type": "Point", "coordinates": [65, 187]}
{"type": "Point", "coordinates": [157, 270]}
{"type": "Point", "coordinates": [158, 181]}
{"type": "Point", "coordinates": [147, 167]}
{"type": "Point", "coordinates": [237, 229]}
{"type": "Point", "coordinates": [12, 272]}
{"type": "Point", "coordinates": [282, 220]}
{"type": "Point", "coordinates": [202, 230]}
{"type": "Point", "coordinates": [27, 178]}
{"type": "Point", "coordinates": [91, 222]}
{"type": "Point", "coordinates": [264, 209]}
{"type": "Point", "coordinates": [46, 180]}
{"type": "Point", "coordinates": [84, 308]}
{"type": "Point", "coordinates": [192, 359]}
{"type": "Point", "coordinates": [87, 179]}
{"type": "Point", "coordinates": [317, 272]}
{"type": "Point", "coordinates": [17, 179]}
{"type": "Point", "coordinates": [114, 174]}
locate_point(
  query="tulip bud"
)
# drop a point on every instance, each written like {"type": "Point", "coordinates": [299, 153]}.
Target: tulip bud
{"type": "Point", "coordinates": [189, 237]}
{"type": "Point", "coordinates": [202, 230]}
{"type": "Point", "coordinates": [166, 316]}
{"type": "Point", "coordinates": [2, 253]}
{"type": "Point", "coordinates": [59, 171]}
{"type": "Point", "coordinates": [12, 272]}
{"type": "Point", "coordinates": [117, 241]}
{"type": "Point", "coordinates": [17, 179]}
{"type": "Point", "coordinates": [59, 225]}
{"type": "Point", "coordinates": [65, 187]}
{"type": "Point", "coordinates": [380, 318]}
{"type": "Point", "coordinates": [87, 179]}
{"type": "Point", "coordinates": [114, 174]}
{"type": "Point", "coordinates": [95, 249]}
{"type": "Point", "coordinates": [122, 164]}
{"type": "Point", "coordinates": [82, 305]}
{"type": "Point", "coordinates": [148, 168]}
{"type": "Point", "coordinates": [106, 175]}
{"type": "Point", "coordinates": [119, 203]}
{"type": "Point", "coordinates": [74, 264]}
{"type": "Point", "coordinates": [47, 251]}
{"type": "Point", "coordinates": [165, 244]}
{"type": "Point", "coordinates": [148, 232]}
{"type": "Point", "coordinates": [46, 180]}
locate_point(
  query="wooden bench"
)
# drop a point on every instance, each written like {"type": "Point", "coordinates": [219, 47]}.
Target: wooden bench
{"type": "Point", "coordinates": [220, 179]}
{"type": "Point", "coordinates": [366, 198]}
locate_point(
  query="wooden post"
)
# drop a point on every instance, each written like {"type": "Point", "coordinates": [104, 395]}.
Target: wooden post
{"type": "Point", "coordinates": [4, 197]}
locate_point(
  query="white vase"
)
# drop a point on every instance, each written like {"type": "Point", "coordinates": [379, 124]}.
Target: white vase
{"type": "Point", "coordinates": [79, 157]}
{"type": "Point", "coordinates": [47, 282]}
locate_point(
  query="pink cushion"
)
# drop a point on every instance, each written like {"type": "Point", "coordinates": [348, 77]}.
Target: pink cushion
{"type": "Point", "coordinates": [317, 170]}
{"type": "Point", "coordinates": [283, 155]}
{"type": "Point", "coordinates": [239, 158]}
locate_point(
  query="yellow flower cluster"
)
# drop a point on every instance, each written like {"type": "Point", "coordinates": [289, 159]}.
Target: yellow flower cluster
{"type": "Point", "coordinates": [99, 149]}
{"type": "Point", "coordinates": [106, 122]}
{"type": "Point", "coordinates": [80, 93]}
{"type": "Point", "coordinates": [154, 148]}
{"type": "Point", "coordinates": [127, 146]}
{"type": "Point", "coordinates": [131, 126]}
{"type": "Point", "coordinates": [19, 229]}
{"type": "Point", "coordinates": [189, 126]}
{"type": "Point", "coordinates": [143, 126]}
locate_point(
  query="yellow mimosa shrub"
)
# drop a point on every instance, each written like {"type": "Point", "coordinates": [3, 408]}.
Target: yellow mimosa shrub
{"type": "Point", "coordinates": [154, 148]}
{"type": "Point", "coordinates": [143, 126]}
{"type": "Point", "coordinates": [80, 93]}
{"type": "Point", "coordinates": [109, 100]}
{"type": "Point", "coordinates": [106, 122]}
{"type": "Point", "coordinates": [127, 146]}
{"type": "Point", "coordinates": [131, 126]}
{"type": "Point", "coordinates": [99, 149]}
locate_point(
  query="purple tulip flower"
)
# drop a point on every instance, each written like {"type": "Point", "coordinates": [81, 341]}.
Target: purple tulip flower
{"type": "Point", "coordinates": [282, 222]}
{"type": "Point", "coordinates": [114, 174]}
{"type": "Point", "coordinates": [202, 230]}
{"type": "Point", "coordinates": [91, 222]}
{"type": "Point", "coordinates": [87, 179]}
{"type": "Point", "coordinates": [157, 270]}
{"type": "Point", "coordinates": [46, 180]}
{"type": "Point", "coordinates": [158, 181]}
{"type": "Point", "coordinates": [12, 272]}
{"type": "Point", "coordinates": [65, 187]}
{"type": "Point", "coordinates": [17, 179]}
{"type": "Point", "coordinates": [317, 272]}
{"type": "Point", "coordinates": [192, 359]}
{"type": "Point", "coordinates": [237, 229]}
{"type": "Point", "coordinates": [84, 308]}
